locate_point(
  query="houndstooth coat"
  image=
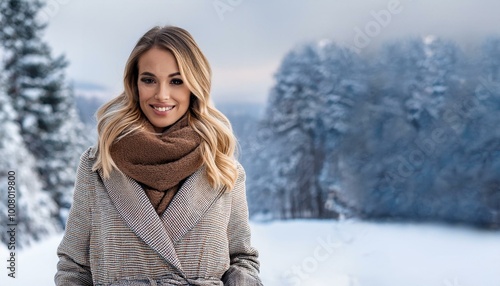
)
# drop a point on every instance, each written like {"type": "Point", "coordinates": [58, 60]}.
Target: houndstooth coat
{"type": "Point", "coordinates": [115, 237]}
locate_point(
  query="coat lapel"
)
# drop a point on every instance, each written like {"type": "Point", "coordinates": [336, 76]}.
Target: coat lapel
{"type": "Point", "coordinates": [189, 205]}
{"type": "Point", "coordinates": [135, 208]}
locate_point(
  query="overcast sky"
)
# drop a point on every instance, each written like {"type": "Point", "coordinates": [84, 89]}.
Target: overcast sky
{"type": "Point", "coordinates": [245, 40]}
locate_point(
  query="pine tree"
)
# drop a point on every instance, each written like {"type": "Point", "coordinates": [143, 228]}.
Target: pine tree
{"type": "Point", "coordinates": [482, 128]}
{"type": "Point", "coordinates": [33, 209]}
{"type": "Point", "coordinates": [308, 109]}
{"type": "Point", "coordinates": [44, 104]}
{"type": "Point", "coordinates": [410, 134]}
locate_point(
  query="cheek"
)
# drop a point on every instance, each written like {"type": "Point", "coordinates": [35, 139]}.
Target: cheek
{"type": "Point", "coordinates": [143, 93]}
{"type": "Point", "coordinates": [186, 101]}
{"type": "Point", "coordinates": [143, 96]}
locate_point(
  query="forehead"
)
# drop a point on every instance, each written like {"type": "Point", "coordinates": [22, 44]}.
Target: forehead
{"type": "Point", "coordinates": [158, 61]}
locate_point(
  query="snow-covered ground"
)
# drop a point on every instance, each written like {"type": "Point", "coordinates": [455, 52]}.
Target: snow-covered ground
{"type": "Point", "coordinates": [354, 253]}
{"type": "Point", "coordinates": [346, 253]}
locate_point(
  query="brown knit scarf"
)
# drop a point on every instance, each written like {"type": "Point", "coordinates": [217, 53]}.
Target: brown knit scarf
{"type": "Point", "coordinates": [160, 163]}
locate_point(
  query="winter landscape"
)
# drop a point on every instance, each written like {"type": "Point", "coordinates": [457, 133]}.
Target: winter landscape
{"type": "Point", "coordinates": [369, 167]}
{"type": "Point", "coordinates": [339, 253]}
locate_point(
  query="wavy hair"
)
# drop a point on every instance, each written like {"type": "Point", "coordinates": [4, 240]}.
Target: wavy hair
{"type": "Point", "coordinates": [122, 115]}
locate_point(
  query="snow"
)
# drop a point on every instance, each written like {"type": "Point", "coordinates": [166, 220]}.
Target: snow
{"type": "Point", "coordinates": [345, 253]}
{"type": "Point", "coordinates": [36, 265]}
{"type": "Point", "coordinates": [354, 253]}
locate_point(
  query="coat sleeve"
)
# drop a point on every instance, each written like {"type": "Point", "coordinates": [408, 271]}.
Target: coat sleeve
{"type": "Point", "coordinates": [73, 267]}
{"type": "Point", "coordinates": [244, 264]}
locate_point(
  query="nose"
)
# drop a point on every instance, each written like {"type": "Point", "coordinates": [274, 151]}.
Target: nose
{"type": "Point", "coordinates": [163, 92]}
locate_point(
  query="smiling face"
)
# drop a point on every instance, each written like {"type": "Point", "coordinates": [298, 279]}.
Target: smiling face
{"type": "Point", "coordinates": [163, 95]}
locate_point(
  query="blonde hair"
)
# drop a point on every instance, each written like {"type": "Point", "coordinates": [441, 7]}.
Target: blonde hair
{"type": "Point", "coordinates": [122, 115]}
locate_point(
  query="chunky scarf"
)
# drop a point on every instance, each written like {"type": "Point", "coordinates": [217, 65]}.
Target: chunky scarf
{"type": "Point", "coordinates": [160, 163]}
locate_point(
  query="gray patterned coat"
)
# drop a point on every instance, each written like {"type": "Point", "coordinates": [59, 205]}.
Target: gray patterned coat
{"type": "Point", "coordinates": [115, 237]}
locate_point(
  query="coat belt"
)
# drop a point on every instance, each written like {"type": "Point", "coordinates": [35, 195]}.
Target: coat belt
{"type": "Point", "coordinates": [170, 280]}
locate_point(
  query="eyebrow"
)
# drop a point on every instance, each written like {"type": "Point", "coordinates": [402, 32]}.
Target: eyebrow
{"type": "Point", "coordinates": [170, 75]}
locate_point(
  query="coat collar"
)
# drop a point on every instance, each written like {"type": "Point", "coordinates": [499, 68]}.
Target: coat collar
{"type": "Point", "coordinates": [189, 205]}
{"type": "Point", "coordinates": [185, 210]}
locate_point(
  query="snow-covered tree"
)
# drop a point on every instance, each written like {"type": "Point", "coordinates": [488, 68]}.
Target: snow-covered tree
{"type": "Point", "coordinates": [33, 209]}
{"type": "Point", "coordinates": [44, 104]}
{"type": "Point", "coordinates": [421, 163]}
{"type": "Point", "coordinates": [409, 133]}
{"type": "Point", "coordinates": [481, 129]}
{"type": "Point", "coordinates": [422, 72]}
{"type": "Point", "coordinates": [308, 108]}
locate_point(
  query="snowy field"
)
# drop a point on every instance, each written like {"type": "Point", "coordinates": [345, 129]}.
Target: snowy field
{"type": "Point", "coordinates": [349, 253]}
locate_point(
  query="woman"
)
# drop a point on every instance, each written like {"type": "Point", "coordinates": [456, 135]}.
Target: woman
{"type": "Point", "coordinates": [161, 200]}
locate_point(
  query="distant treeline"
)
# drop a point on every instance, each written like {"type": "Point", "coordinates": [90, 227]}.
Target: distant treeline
{"type": "Point", "coordinates": [411, 132]}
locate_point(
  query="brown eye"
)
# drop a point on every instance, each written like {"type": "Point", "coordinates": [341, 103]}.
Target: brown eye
{"type": "Point", "coordinates": [176, 81]}
{"type": "Point", "coordinates": [147, 80]}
